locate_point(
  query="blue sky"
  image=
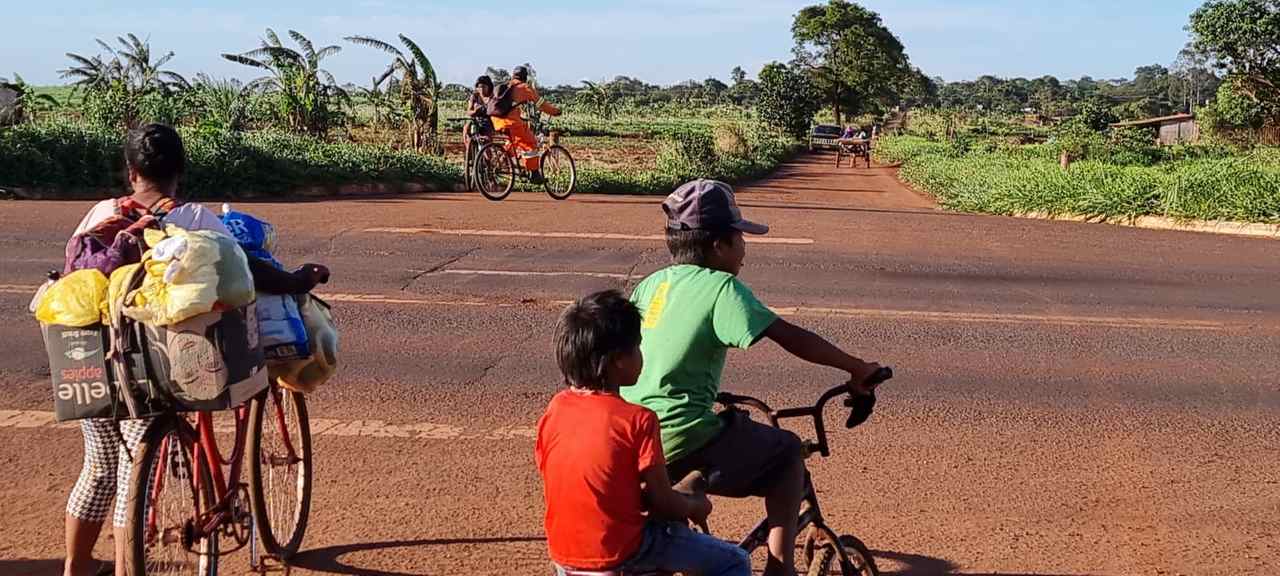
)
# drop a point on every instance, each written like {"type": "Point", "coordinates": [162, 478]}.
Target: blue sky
{"type": "Point", "coordinates": [662, 41]}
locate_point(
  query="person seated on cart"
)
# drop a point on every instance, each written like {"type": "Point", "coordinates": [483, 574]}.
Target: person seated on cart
{"type": "Point", "coordinates": [504, 109]}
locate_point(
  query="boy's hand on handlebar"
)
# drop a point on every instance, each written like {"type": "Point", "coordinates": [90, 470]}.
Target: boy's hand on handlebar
{"type": "Point", "coordinates": [860, 378]}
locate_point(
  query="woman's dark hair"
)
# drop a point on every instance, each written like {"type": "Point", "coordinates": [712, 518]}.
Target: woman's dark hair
{"type": "Point", "coordinates": [155, 151]}
{"type": "Point", "coordinates": [590, 332]}
{"type": "Point", "coordinates": [484, 81]}
{"type": "Point", "coordinates": [520, 73]}
{"type": "Point", "coordinates": [695, 246]}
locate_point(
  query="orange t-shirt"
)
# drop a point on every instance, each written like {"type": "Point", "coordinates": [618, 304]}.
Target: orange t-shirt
{"type": "Point", "coordinates": [591, 450]}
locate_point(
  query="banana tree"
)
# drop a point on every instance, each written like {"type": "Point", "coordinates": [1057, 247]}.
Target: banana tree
{"type": "Point", "coordinates": [419, 89]}
{"type": "Point", "coordinates": [27, 105]}
{"type": "Point", "coordinates": [308, 99]}
{"type": "Point", "coordinates": [130, 65]}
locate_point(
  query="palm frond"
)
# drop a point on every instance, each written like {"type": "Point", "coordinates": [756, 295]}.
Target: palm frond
{"type": "Point", "coordinates": [375, 43]}
{"type": "Point", "coordinates": [328, 78]}
{"type": "Point", "coordinates": [420, 58]}
{"type": "Point", "coordinates": [105, 46]}
{"type": "Point", "coordinates": [387, 74]}
{"type": "Point", "coordinates": [261, 84]}
{"type": "Point", "coordinates": [305, 43]}
{"type": "Point", "coordinates": [162, 61]}
{"type": "Point", "coordinates": [279, 53]}
{"type": "Point", "coordinates": [247, 61]}
{"type": "Point", "coordinates": [275, 40]}
{"type": "Point", "coordinates": [326, 52]}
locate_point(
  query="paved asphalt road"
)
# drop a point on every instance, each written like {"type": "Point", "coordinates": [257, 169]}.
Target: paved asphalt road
{"type": "Point", "coordinates": [1071, 398]}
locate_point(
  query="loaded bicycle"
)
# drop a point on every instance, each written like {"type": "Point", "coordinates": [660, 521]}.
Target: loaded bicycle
{"type": "Point", "coordinates": [824, 552]}
{"type": "Point", "coordinates": [184, 505]}
{"type": "Point", "coordinates": [492, 164]}
{"type": "Point", "coordinates": [188, 505]}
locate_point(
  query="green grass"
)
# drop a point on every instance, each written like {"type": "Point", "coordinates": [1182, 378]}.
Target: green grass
{"type": "Point", "coordinates": [63, 94]}
{"type": "Point", "coordinates": [73, 159]}
{"type": "Point", "coordinates": [1243, 187]}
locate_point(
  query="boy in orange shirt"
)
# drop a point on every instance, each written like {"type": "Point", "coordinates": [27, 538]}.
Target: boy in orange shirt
{"type": "Point", "coordinates": [601, 460]}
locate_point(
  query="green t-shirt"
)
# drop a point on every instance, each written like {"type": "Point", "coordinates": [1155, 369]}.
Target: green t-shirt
{"type": "Point", "coordinates": [692, 316]}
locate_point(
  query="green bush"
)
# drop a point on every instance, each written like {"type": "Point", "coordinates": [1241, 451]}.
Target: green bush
{"type": "Point", "coordinates": [1206, 184]}
{"type": "Point", "coordinates": [220, 163]}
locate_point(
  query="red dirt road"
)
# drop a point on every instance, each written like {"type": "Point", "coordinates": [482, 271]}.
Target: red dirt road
{"type": "Point", "coordinates": [1071, 398]}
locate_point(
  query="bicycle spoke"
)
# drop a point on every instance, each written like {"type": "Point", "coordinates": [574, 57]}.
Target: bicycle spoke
{"type": "Point", "coordinates": [171, 507]}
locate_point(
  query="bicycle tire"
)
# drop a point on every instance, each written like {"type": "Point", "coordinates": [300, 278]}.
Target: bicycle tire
{"type": "Point", "coordinates": [137, 545]}
{"type": "Point", "coordinates": [554, 159]}
{"type": "Point", "coordinates": [468, 174]}
{"type": "Point", "coordinates": [827, 560]}
{"type": "Point", "coordinates": [839, 156]}
{"type": "Point", "coordinates": [280, 528]}
{"type": "Point", "coordinates": [495, 173]}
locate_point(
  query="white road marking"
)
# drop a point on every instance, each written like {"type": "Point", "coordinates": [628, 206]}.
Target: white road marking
{"type": "Point", "coordinates": [804, 311]}
{"type": "Point", "coordinates": [27, 419]}
{"type": "Point", "coordinates": [572, 235]}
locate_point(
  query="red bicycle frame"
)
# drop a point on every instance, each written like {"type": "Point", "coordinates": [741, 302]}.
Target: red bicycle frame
{"type": "Point", "coordinates": [203, 447]}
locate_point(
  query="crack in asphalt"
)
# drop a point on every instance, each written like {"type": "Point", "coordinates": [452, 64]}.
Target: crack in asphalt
{"type": "Point", "coordinates": [626, 283]}
{"type": "Point", "coordinates": [439, 266]}
{"type": "Point", "coordinates": [333, 240]}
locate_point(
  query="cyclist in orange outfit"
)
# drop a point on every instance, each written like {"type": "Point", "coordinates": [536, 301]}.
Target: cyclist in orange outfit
{"type": "Point", "coordinates": [521, 137]}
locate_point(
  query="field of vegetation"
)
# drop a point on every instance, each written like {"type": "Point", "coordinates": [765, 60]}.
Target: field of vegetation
{"type": "Point", "coordinates": [1115, 181]}
{"type": "Point", "coordinates": [296, 128]}
{"type": "Point", "coordinates": [1044, 146]}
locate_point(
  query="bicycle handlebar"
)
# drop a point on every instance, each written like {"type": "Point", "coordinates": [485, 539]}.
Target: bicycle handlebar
{"type": "Point", "coordinates": [860, 407]}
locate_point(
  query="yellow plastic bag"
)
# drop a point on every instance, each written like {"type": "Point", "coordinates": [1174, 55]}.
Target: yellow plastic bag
{"type": "Point", "coordinates": [78, 299]}
{"type": "Point", "coordinates": [304, 375]}
{"type": "Point", "coordinates": [202, 270]}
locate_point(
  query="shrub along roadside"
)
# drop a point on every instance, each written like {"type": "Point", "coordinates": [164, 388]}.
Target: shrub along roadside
{"type": "Point", "coordinates": [75, 161]}
{"type": "Point", "coordinates": [1028, 179]}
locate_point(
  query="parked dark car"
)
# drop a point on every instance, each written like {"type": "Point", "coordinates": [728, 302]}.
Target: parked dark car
{"type": "Point", "coordinates": [824, 136]}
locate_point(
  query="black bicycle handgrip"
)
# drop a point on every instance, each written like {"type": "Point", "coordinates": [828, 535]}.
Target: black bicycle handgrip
{"type": "Point", "coordinates": [861, 406]}
{"type": "Point", "coordinates": [880, 375]}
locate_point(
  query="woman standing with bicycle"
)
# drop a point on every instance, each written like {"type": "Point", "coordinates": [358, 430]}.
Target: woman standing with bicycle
{"type": "Point", "coordinates": [108, 237]}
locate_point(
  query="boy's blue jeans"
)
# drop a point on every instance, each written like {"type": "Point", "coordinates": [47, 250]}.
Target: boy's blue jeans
{"type": "Point", "coordinates": [673, 547]}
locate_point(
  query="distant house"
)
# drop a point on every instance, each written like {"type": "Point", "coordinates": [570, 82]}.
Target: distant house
{"type": "Point", "coordinates": [1170, 130]}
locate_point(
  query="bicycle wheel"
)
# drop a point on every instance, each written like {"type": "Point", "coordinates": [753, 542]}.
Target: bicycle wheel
{"type": "Point", "coordinates": [468, 158]}
{"type": "Point", "coordinates": [852, 559]}
{"type": "Point", "coordinates": [559, 173]}
{"type": "Point", "coordinates": [167, 495]}
{"type": "Point", "coordinates": [495, 173]}
{"type": "Point", "coordinates": [280, 469]}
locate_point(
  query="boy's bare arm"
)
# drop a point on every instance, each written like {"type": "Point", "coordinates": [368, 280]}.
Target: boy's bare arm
{"type": "Point", "coordinates": [813, 348]}
{"type": "Point", "coordinates": [669, 504]}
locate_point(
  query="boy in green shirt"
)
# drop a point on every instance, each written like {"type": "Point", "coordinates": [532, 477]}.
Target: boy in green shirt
{"type": "Point", "coordinates": [694, 311]}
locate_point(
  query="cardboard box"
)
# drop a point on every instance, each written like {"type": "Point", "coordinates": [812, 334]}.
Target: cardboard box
{"type": "Point", "coordinates": [211, 362]}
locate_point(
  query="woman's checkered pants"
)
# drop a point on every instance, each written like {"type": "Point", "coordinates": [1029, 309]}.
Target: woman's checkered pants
{"type": "Point", "coordinates": [108, 465]}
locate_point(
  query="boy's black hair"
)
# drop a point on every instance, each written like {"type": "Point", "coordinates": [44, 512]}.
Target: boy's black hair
{"type": "Point", "coordinates": [695, 246]}
{"type": "Point", "coordinates": [484, 81]}
{"type": "Point", "coordinates": [590, 332]}
{"type": "Point", "coordinates": [156, 152]}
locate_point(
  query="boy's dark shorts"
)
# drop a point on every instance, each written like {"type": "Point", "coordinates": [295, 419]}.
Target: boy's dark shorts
{"type": "Point", "coordinates": [746, 459]}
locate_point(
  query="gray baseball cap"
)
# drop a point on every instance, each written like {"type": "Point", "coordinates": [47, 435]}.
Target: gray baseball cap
{"type": "Point", "coordinates": [707, 205]}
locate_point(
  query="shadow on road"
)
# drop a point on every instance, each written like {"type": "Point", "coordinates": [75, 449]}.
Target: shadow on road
{"type": "Point", "coordinates": [30, 567]}
{"type": "Point", "coordinates": [920, 565]}
{"type": "Point", "coordinates": [330, 559]}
